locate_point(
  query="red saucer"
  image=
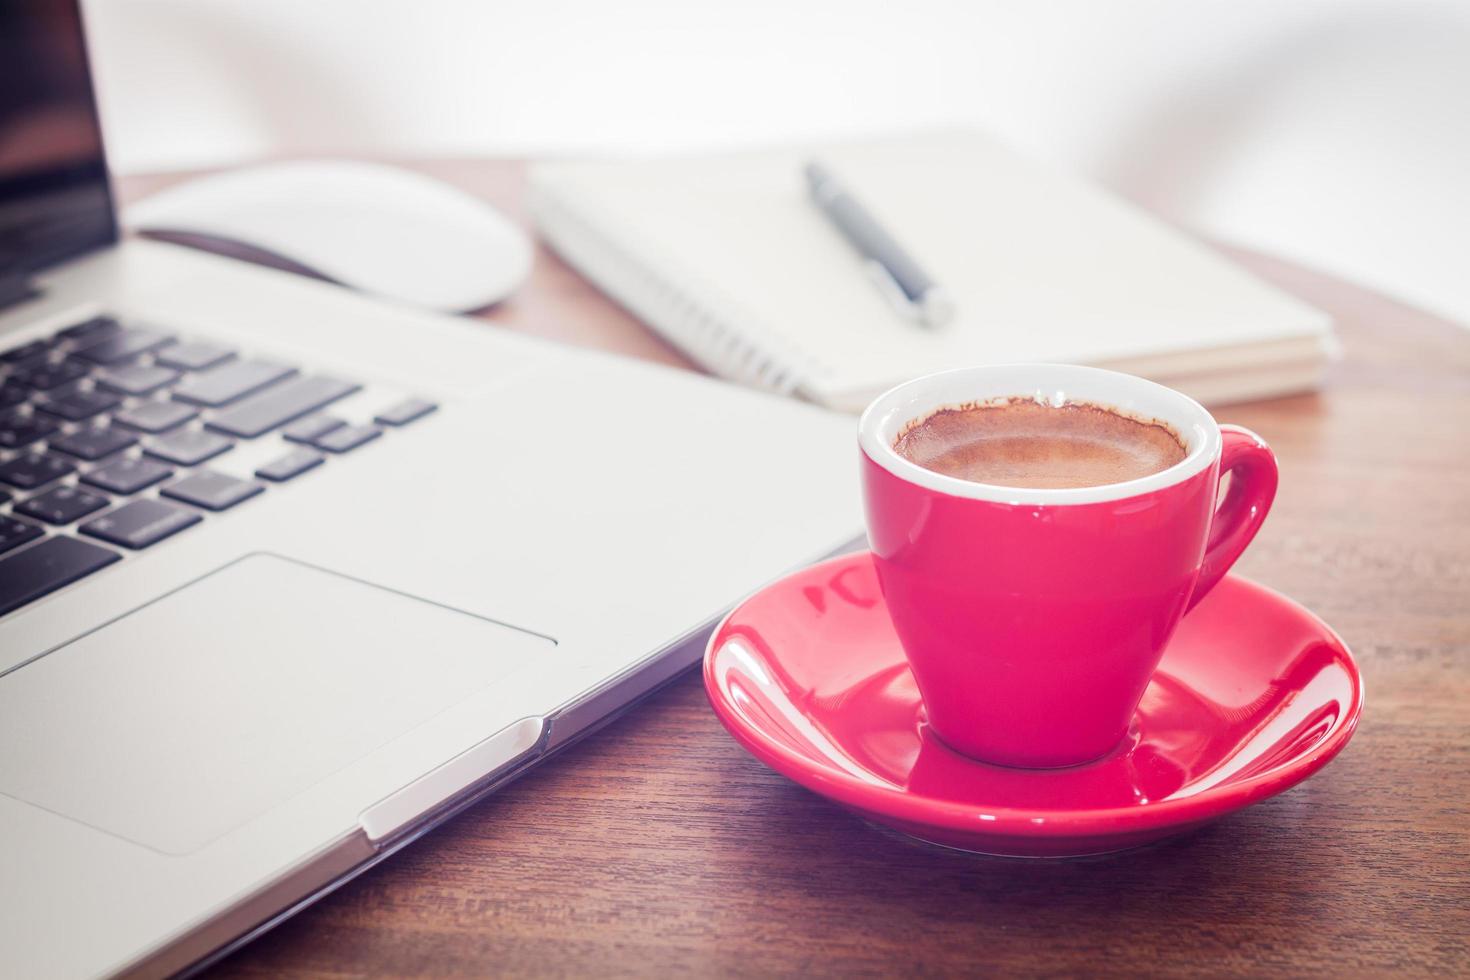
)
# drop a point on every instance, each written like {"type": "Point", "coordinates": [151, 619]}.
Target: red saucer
{"type": "Point", "coordinates": [1254, 694]}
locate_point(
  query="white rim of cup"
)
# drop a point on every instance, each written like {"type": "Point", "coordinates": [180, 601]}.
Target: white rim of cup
{"type": "Point", "coordinates": [1054, 384]}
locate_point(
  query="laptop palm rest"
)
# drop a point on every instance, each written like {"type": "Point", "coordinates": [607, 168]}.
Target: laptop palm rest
{"type": "Point", "coordinates": [189, 716]}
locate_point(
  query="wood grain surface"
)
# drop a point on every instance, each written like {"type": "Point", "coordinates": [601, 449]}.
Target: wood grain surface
{"type": "Point", "coordinates": [659, 847]}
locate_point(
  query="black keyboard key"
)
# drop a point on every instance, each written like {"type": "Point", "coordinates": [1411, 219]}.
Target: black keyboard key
{"type": "Point", "coordinates": [28, 575]}
{"type": "Point", "coordinates": [192, 356]}
{"type": "Point", "coordinates": [74, 404]}
{"type": "Point", "coordinates": [312, 428]}
{"type": "Point", "coordinates": [136, 379]}
{"type": "Point", "coordinates": [14, 533]}
{"type": "Point", "coordinates": [347, 437]}
{"type": "Point", "coordinates": [236, 379]}
{"type": "Point", "coordinates": [211, 490]}
{"type": "Point", "coordinates": [140, 523]}
{"type": "Point", "coordinates": [93, 444]}
{"type": "Point", "coordinates": [4, 496]}
{"type": "Point", "coordinates": [62, 505]}
{"type": "Point", "coordinates": [93, 329]}
{"type": "Point", "coordinates": [26, 352]}
{"type": "Point", "coordinates": [12, 394]}
{"type": "Point", "coordinates": [18, 429]}
{"type": "Point", "coordinates": [278, 405]}
{"type": "Point", "coordinates": [187, 447]}
{"type": "Point", "coordinates": [127, 475]}
{"type": "Point", "coordinates": [34, 470]}
{"type": "Point", "coordinates": [122, 344]}
{"type": "Point", "coordinates": [45, 375]}
{"type": "Point", "coordinates": [293, 464]}
{"type": "Point", "coordinates": [155, 416]}
{"type": "Point", "coordinates": [405, 412]}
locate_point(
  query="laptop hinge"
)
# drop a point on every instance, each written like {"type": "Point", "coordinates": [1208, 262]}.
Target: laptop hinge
{"type": "Point", "coordinates": [17, 289]}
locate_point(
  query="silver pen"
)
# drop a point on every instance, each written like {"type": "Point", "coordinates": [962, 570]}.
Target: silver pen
{"type": "Point", "coordinates": [907, 286]}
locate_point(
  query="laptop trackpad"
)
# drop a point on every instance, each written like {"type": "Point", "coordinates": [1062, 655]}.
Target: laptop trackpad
{"type": "Point", "coordinates": [207, 707]}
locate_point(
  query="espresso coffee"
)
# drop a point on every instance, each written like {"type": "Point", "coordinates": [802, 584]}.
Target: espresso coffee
{"type": "Point", "coordinates": [1023, 443]}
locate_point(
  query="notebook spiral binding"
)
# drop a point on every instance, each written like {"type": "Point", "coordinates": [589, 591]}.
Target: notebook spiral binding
{"type": "Point", "coordinates": [708, 336]}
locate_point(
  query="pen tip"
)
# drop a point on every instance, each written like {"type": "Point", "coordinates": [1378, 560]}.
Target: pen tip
{"type": "Point", "coordinates": [936, 308]}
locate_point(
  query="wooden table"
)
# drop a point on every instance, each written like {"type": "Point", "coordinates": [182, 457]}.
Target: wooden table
{"type": "Point", "coordinates": [659, 846]}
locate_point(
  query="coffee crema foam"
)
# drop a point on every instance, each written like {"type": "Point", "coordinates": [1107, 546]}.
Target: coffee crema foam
{"type": "Point", "coordinates": [1024, 443]}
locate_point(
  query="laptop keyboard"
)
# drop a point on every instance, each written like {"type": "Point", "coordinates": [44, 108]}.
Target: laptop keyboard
{"type": "Point", "coordinates": [106, 429]}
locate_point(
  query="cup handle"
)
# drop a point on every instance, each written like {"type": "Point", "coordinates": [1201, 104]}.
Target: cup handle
{"type": "Point", "coordinates": [1252, 468]}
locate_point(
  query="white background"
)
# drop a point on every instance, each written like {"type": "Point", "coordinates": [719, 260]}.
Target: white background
{"type": "Point", "coordinates": [1334, 132]}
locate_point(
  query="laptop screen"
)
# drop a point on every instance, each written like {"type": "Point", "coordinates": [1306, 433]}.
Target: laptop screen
{"type": "Point", "coordinates": [54, 196]}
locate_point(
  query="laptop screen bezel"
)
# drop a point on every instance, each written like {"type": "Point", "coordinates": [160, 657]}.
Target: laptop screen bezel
{"type": "Point", "coordinates": [60, 236]}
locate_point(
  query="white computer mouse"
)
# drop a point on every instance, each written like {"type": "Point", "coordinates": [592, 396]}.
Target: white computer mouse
{"type": "Point", "coordinates": [375, 228]}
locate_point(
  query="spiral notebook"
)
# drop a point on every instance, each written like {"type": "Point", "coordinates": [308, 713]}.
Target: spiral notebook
{"type": "Point", "coordinates": [728, 259]}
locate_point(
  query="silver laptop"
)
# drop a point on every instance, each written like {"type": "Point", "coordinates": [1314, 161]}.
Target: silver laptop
{"type": "Point", "coordinates": [288, 576]}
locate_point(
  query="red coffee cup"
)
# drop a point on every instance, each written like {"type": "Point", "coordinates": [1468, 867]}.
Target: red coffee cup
{"type": "Point", "coordinates": [1033, 619]}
